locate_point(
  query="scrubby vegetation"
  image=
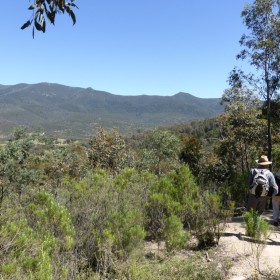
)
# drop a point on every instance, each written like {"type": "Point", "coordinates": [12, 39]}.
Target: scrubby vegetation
{"type": "Point", "coordinates": [72, 210]}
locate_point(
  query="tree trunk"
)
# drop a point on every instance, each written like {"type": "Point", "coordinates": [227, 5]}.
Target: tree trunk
{"type": "Point", "coordinates": [269, 136]}
{"type": "Point", "coordinates": [268, 99]}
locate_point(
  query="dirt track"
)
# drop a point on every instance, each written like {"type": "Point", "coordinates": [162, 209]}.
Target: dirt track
{"type": "Point", "coordinates": [248, 256]}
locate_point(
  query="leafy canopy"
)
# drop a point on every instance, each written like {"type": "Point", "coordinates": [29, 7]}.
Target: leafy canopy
{"type": "Point", "coordinates": [42, 9]}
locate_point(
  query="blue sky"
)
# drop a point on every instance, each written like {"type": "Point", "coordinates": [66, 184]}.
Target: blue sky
{"type": "Point", "coordinates": [127, 47]}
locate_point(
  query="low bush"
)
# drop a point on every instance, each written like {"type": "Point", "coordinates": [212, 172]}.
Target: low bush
{"type": "Point", "coordinates": [255, 226]}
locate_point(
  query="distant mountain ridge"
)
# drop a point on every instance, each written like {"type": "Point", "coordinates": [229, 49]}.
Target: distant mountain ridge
{"type": "Point", "coordinates": [76, 112]}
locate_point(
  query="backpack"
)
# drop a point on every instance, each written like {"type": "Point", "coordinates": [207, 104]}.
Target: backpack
{"type": "Point", "coordinates": [260, 185]}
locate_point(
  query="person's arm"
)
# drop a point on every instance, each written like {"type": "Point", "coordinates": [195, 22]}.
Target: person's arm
{"type": "Point", "coordinates": [251, 177]}
{"type": "Point", "coordinates": [272, 183]}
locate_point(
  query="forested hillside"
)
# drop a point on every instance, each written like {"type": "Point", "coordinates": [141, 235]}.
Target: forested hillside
{"type": "Point", "coordinates": [72, 112]}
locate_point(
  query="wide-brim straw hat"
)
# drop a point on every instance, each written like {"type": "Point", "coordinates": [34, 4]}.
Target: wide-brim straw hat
{"type": "Point", "coordinates": [263, 160]}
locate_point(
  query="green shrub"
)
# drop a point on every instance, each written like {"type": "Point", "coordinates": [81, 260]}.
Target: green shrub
{"type": "Point", "coordinates": [25, 254]}
{"type": "Point", "coordinates": [174, 194]}
{"type": "Point", "coordinates": [211, 219]}
{"type": "Point", "coordinates": [159, 208]}
{"type": "Point", "coordinates": [46, 216]}
{"type": "Point", "coordinates": [238, 188]}
{"type": "Point", "coordinates": [108, 214]}
{"type": "Point", "coordinates": [36, 238]}
{"type": "Point", "coordinates": [255, 226]}
{"type": "Point", "coordinates": [175, 236]}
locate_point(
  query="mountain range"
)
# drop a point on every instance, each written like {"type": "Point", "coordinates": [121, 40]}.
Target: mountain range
{"type": "Point", "coordinates": [74, 112]}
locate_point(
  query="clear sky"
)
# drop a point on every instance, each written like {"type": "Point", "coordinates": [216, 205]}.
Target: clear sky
{"type": "Point", "coordinates": [127, 47]}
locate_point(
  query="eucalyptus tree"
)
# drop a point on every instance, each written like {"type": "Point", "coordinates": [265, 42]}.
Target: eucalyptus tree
{"type": "Point", "coordinates": [16, 167]}
{"type": "Point", "coordinates": [61, 162]}
{"type": "Point", "coordinates": [274, 113]}
{"type": "Point", "coordinates": [261, 47]}
{"type": "Point", "coordinates": [242, 128]}
{"type": "Point", "coordinates": [160, 152]}
{"type": "Point", "coordinates": [109, 151]}
{"type": "Point", "coordinates": [191, 152]}
{"type": "Point", "coordinates": [48, 9]}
